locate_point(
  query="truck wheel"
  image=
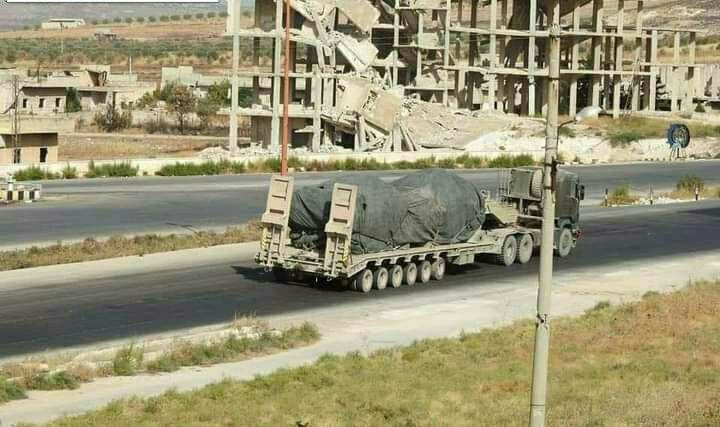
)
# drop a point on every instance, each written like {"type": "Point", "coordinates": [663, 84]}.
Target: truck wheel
{"type": "Point", "coordinates": [425, 271]}
{"type": "Point", "coordinates": [410, 273]}
{"type": "Point", "coordinates": [565, 243]}
{"type": "Point", "coordinates": [364, 281]}
{"type": "Point", "coordinates": [438, 268]}
{"type": "Point", "coordinates": [380, 278]}
{"type": "Point", "coordinates": [525, 248]}
{"type": "Point", "coordinates": [396, 276]}
{"type": "Point", "coordinates": [508, 252]}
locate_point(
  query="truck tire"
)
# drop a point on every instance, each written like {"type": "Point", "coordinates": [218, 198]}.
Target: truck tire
{"type": "Point", "coordinates": [508, 252]}
{"type": "Point", "coordinates": [364, 281]}
{"type": "Point", "coordinates": [525, 248]}
{"type": "Point", "coordinates": [565, 243]}
{"type": "Point", "coordinates": [438, 268]}
{"type": "Point", "coordinates": [536, 184]}
{"type": "Point", "coordinates": [380, 278]}
{"type": "Point", "coordinates": [396, 276]}
{"type": "Point", "coordinates": [425, 271]}
{"type": "Point", "coordinates": [410, 273]}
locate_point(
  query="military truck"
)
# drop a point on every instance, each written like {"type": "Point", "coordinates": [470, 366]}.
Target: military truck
{"type": "Point", "coordinates": [510, 234]}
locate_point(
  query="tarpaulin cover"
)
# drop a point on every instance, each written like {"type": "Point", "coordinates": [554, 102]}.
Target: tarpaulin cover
{"type": "Point", "coordinates": [427, 206]}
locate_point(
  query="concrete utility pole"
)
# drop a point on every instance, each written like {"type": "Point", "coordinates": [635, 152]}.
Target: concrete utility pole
{"type": "Point", "coordinates": [286, 94]}
{"type": "Point", "coordinates": [542, 322]}
{"type": "Point", "coordinates": [235, 20]}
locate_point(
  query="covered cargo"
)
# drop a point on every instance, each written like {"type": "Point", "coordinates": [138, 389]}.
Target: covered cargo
{"type": "Point", "coordinates": [430, 206]}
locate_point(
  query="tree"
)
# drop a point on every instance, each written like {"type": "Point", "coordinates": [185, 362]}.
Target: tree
{"type": "Point", "coordinates": [152, 19]}
{"type": "Point", "coordinates": [187, 17]}
{"type": "Point", "coordinates": [182, 103]}
{"type": "Point", "coordinates": [199, 15]}
{"type": "Point", "coordinates": [175, 17]}
{"type": "Point", "coordinates": [110, 119]}
{"type": "Point", "coordinates": [117, 20]}
{"type": "Point", "coordinates": [164, 18]}
{"type": "Point", "coordinates": [140, 19]}
{"type": "Point", "coordinates": [210, 15]}
{"type": "Point", "coordinates": [105, 21]}
{"type": "Point", "coordinates": [128, 20]}
{"type": "Point", "coordinates": [223, 14]}
{"type": "Point", "coordinates": [72, 101]}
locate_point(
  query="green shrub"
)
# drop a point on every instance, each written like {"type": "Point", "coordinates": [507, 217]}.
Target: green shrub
{"type": "Point", "coordinates": [57, 381]}
{"type": "Point", "coordinates": [122, 169]}
{"type": "Point", "coordinates": [128, 360]}
{"type": "Point", "coordinates": [689, 183]}
{"type": "Point", "coordinates": [10, 390]}
{"type": "Point", "coordinates": [34, 173]}
{"type": "Point", "coordinates": [69, 172]}
{"type": "Point", "coordinates": [507, 161]}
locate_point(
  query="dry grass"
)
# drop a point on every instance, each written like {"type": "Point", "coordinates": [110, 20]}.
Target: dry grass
{"type": "Point", "coordinates": [627, 130]}
{"type": "Point", "coordinates": [128, 146]}
{"type": "Point", "coordinates": [652, 363]}
{"type": "Point", "coordinates": [91, 249]}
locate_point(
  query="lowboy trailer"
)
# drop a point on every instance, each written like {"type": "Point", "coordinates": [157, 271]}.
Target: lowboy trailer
{"type": "Point", "coordinates": [510, 234]}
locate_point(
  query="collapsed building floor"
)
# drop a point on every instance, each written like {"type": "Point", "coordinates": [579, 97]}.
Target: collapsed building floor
{"type": "Point", "coordinates": [407, 75]}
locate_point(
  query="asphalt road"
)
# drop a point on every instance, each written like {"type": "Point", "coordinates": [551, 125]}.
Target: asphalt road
{"type": "Point", "coordinates": [103, 207]}
{"type": "Point", "coordinates": [71, 311]}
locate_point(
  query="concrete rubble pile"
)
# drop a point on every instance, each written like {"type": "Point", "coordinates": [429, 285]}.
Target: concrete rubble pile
{"type": "Point", "coordinates": [348, 95]}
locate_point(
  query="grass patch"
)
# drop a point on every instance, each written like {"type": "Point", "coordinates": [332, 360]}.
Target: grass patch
{"type": "Point", "coordinates": [234, 348]}
{"type": "Point", "coordinates": [621, 196]}
{"type": "Point", "coordinates": [91, 249]}
{"type": "Point", "coordinates": [223, 167]}
{"type": "Point", "coordinates": [620, 365]}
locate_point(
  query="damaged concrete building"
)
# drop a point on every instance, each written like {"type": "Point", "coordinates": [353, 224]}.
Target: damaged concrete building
{"type": "Point", "coordinates": [361, 69]}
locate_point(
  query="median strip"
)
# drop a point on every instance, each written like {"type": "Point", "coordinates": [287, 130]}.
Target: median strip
{"type": "Point", "coordinates": [91, 249]}
{"type": "Point", "coordinates": [245, 338]}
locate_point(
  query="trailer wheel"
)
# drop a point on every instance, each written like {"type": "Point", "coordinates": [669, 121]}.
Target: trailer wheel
{"type": "Point", "coordinates": [425, 271]}
{"type": "Point", "coordinates": [438, 268]}
{"type": "Point", "coordinates": [565, 243]}
{"type": "Point", "coordinates": [364, 281]}
{"type": "Point", "coordinates": [281, 275]}
{"type": "Point", "coordinates": [410, 273]}
{"type": "Point", "coordinates": [508, 252]}
{"type": "Point", "coordinates": [525, 248]}
{"type": "Point", "coordinates": [396, 276]}
{"type": "Point", "coordinates": [380, 278]}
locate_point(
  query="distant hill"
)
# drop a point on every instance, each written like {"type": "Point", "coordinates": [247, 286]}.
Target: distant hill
{"type": "Point", "coordinates": [15, 16]}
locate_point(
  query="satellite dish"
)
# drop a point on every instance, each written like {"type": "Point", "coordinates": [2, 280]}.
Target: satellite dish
{"type": "Point", "coordinates": [678, 134]}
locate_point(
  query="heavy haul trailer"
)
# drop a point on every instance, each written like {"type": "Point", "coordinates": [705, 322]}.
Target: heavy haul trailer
{"type": "Point", "coordinates": [510, 234]}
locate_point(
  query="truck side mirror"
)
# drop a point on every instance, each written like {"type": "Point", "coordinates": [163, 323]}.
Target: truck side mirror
{"type": "Point", "coordinates": [581, 192]}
